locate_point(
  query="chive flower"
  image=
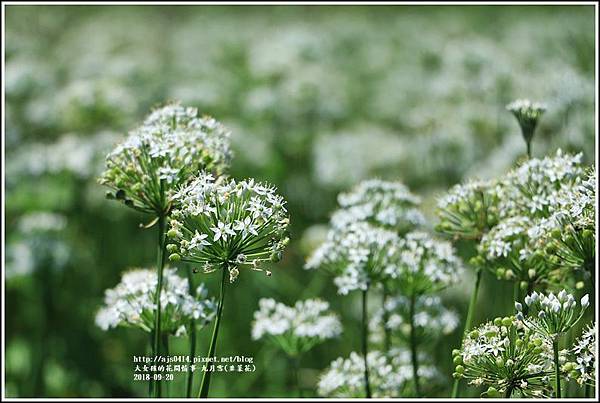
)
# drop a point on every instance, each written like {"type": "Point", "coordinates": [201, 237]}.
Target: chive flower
{"type": "Point", "coordinates": [295, 329]}
{"type": "Point", "coordinates": [507, 359]}
{"type": "Point", "coordinates": [227, 225]}
{"type": "Point", "coordinates": [386, 204]}
{"type": "Point", "coordinates": [528, 115]}
{"type": "Point", "coordinates": [172, 144]}
{"type": "Point", "coordinates": [131, 303]}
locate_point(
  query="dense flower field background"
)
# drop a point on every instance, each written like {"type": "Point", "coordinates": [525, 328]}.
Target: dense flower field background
{"type": "Point", "coordinates": [317, 99]}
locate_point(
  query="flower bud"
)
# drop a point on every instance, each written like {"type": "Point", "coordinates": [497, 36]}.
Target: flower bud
{"type": "Point", "coordinates": [507, 321]}
{"type": "Point", "coordinates": [518, 306]}
{"type": "Point", "coordinates": [585, 301]}
{"type": "Point", "coordinates": [460, 369]}
{"type": "Point", "coordinates": [457, 360]}
{"type": "Point", "coordinates": [174, 257]}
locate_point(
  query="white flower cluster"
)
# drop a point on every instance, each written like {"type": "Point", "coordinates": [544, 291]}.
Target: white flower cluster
{"type": "Point", "coordinates": [579, 204]}
{"type": "Point", "coordinates": [172, 145]}
{"type": "Point", "coordinates": [551, 315]}
{"type": "Point", "coordinates": [535, 187]}
{"type": "Point", "coordinates": [389, 376]}
{"type": "Point", "coordinates": [224, 224]}
{"type": "Point", "coordinates": [585, 356]}
{"type": "Point", "coordinates": [387, 204]}
{"type": "Point", "coordinates": [530, 205]}
{"type": "Point", "coordinates": [357, 255]}
{"type": "Point", "coordinates": [424, 264]}
{"type": "Point", "coordinates": [295, 329]}
{"type": "Point", "coordinates": [503, 356]}
{"type": "Point", "coordinates": [431, 319]}
{"type": "Point", "coordinates": [131, 303]}
{"type": "Point", "coordinates": [468, 210]}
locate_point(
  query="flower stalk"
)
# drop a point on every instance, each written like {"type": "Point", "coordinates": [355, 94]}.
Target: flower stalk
{"type": "Point", "coordinates": [413, 346]}
{"type": "Point", "coordinates": [365, 338]}
{"type": "Point", "coordinates": [556, 368]}
{"type": "Point", "coordinates": [205, 384]}
{"type": "Point", "coordinates": [160, 261]}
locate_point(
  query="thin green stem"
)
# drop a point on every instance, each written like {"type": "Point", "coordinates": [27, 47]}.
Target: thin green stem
{"type": "Point", "coordinates": [296, 364]}
{"type": "Point", "coordinates": [365, 339]}
{"type": "Point", "coordinates": [151, 381]}
{"type": "Point", "coordinates": [528, 149]}
{"type": "Point", "coordinates": [387, 341]}
{"type": "Point", "coordinates": [413, 344]}
{"type": "Point", "coordinates": [470, 313]}
{"type": "Point", "coordinates": [205, 384]}
{"type": "Point", "coordinates": [556, 368]}
{"type": "Point", "coordinates": [165, 350]}
{"type": "Point", "coordinates": [160, 262]}
{"type": "Point", "coordinates": [192, 330]}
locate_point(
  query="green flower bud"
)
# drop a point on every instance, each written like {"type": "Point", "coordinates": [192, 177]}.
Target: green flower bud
{"type": "Point", "coordinates": [523, 285]}
{"type": "Point", "coordinates": [531, 273]}
{"type": "Point", "coordinates": [275, 257]}
{"type": "Point", "coordinates": [456, 375]}
{"type": "Point", "coordinates": [509, 274]}
{"type": "Point", "coordinates": [172, 233]}
{"type": "Point", "coordinates": [455, 352]}
{"type": "Point", "coordinates": [507, 322]}
{"type": "Point", "coordinates": [460, 369]}
{"type": "Point", "coordinates": [588, 235]}
{"type": "Point", "coordinates": [457, 360]}
{"type": "Point", "coordinates": [174, 257]}
{"type": "Point", "coordinates": [500, 273]}
{"type": "Point", "coordinates": [579, 285]}
{"type": "Point", "coordinates": [171, 247]}
{"type": "Point", "coordinates": [474, 334]}
{"type": "Point", "coordinates": [555, 233]}
{"type": "Point", "coordinates": [498, 321]}
{"type": "Point", "coordinates": [492, 392]}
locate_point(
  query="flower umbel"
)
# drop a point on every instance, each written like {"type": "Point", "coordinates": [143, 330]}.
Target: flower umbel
{"type": "Point", "coordinates": [391, 375]}
{"type": "Point", "coordinates": [506, 358]}
{"type": "Point", "coordinates": [227, 225]}
{"type": "Point", "coordinates": [551, 315]}
{"type": "Point", "coordinates": [468, 210]}
{"type": "Point", "coordinates": [583, 369]}
{"type": "Point", "coordinates": [387, 204]}
{"type": "Point", "coordinates": [131, 303]}
{"type": "Point", "coordinates": [172, 144]}
{"type": "Point", "coordinates": [295, 329]}
{"type": "Point", "coordinates": [528, 115]}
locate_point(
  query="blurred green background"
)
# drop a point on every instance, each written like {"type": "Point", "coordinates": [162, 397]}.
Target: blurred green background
{"type": "Point", "coordinates": [317, 98]}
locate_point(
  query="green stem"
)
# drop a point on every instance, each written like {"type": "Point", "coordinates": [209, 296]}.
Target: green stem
{"type": "Point", "coordinates": [160, 262]}
{"type": "Point", "coordinates": [556, 367]}
{"type": "Point", "coordinates": [387, 341]}
{"type": "Point", "coordinates": [296, 363]}
{"type": "Point", "coordinates": [529, 149]}
{"type": "Point", "coordinates": [151, 382]}
{"type": "Point", "coordinates": [413, 345]}
{"type": "Point", "coordinates": [192, 330]}
{"type": "Point", "coordinates": [165, 350]}
{"type": "Point", "coordinates": [365, 337]}
{"type": "Point", "coordinates": [470, 313]}
{"type": "Point", "coordinates": [205, 384]}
